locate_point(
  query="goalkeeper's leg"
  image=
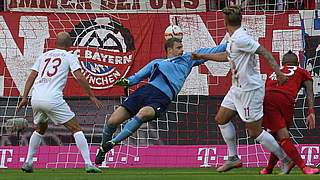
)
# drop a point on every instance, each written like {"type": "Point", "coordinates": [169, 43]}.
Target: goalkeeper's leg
{"type": "Point", "coordinates": [117, 117]}
{"type": "Point", "coordinates": [145, 114]}
{"type": "Point", "coordinates": [131, 126]}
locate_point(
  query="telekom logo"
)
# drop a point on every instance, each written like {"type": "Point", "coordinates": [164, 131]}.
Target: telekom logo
{"type": "Point", "coordinates": [5, 158]}
{"type": "Point", "coordinates": [312, 154]}
{"type": "Point", "coordinates": [206, 154]}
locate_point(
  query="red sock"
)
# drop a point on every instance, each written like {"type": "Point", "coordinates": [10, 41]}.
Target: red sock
{"type": "Point", "coordinates": [288, 147]}
{"type": "Point", "coordinates": [273, 160]}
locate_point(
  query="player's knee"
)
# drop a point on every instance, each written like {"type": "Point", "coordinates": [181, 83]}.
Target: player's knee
{"type": "Point", "coordinates": [41, 128]}
{"type": "Point", "coordinates": [40, 131]}
{"type": "Point", "coordinates": [115, 120]}
{"type": "Point", "coordinates": [283, 134]}
{"type": "Point", "coordinates": [254, 133]}
{"type": "Point", "coordinates": [112, 123]}
{"type": "Point", "coordinates": [73, 126]}
{"type": "Point", "coordinates": [146, 114]}
{"type": "Point", "coordinates": [219, 120]}
{"type": "Point", "coordinates": [74, 130]}
{"type": "Point", "coordinates": [118, 116]}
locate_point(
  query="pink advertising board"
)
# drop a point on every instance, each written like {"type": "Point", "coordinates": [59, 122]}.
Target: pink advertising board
{"type": "Point", "coordinates": [147, 157]}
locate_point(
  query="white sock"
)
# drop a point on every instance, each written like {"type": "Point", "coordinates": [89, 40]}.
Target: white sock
{"type": "Point", "coordinates": [229, 135]}
{"type": "Point", "coordinates": [268, 141]}
{"type": "Point", "coordinates": [34, 144]}
{"type": "Point", "coordinates": [82, 145]}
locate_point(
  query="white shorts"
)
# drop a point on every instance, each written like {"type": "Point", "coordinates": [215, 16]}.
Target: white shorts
{"type": "Point", "coordinates": [248, 104]}
{"type": "Point", "coordinates": [59, 113]}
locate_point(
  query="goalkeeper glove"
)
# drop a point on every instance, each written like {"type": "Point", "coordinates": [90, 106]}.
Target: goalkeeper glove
{"type": "Point", "coordinates": [122, 82]}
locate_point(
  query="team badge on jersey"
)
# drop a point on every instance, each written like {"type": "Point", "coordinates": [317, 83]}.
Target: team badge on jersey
{"type": "Point", "coordinates": [105, 49]}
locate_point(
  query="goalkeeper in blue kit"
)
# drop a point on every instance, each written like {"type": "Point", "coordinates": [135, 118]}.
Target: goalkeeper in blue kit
{"type": "Point", "coordinates": [166, 78]}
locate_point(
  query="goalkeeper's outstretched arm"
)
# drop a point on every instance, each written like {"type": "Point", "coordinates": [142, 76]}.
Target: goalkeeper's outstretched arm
{"type": "Point", "coordinates": [143, 73]}
{"type": "Point", "coordinates": [217, 53]}
{"type": "Point", "coordinates": [218, 57]}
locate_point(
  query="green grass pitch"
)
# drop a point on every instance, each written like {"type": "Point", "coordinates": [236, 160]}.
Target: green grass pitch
{"type": "Point", "coordinates": [151, 174]}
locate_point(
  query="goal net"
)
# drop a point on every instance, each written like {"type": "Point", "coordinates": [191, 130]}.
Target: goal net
{"type": "Point", "coordinates": [116, 39]}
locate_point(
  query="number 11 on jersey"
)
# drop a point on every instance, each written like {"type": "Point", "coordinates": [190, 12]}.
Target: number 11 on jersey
{"type": "Point", "coordinates": [247, 112]}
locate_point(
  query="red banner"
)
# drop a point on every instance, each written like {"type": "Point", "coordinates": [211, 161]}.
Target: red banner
{"type": "Point", "coordinates": [111, 6]}
{"type": "Point", "coordinates": [113, 46]}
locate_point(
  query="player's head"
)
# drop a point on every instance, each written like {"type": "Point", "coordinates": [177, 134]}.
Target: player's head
{"type": "Point", "coordinates": [63, 40]}
{"type": "Point", "coordinates": [290, 58]}
{"type": "Point", "coordinates": [173, 47]}
{"type": "Point", "coordinates": [232, 16]}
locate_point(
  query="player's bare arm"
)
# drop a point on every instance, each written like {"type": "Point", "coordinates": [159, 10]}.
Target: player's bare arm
{"type": "Point", "coordinates": [84, 83]}
{"type": "Point", "coordinates": [218, 57]}
{"type": "Point", "coordinates": [33, 75]}
{"type": "Point", "coordinates": [310, 101]}
{"type": "Point", "coordinates": [265, 53]}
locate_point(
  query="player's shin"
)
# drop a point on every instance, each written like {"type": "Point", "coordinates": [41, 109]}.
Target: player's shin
{"type": "Point", "coordinates": [34, 144]}
{"type": "Point", "coordinates": [273, 160]}
{"type": "Point", "coordinates": [107, 133]}
{"type": "Point", "coordinates": [292, 152]}
{"type": "Point", "coordinates": [228, 133]}
{"type": "Point", "coordinates": [82, 145]}
{"type": "Point", "coordinates": [268, 141]}
{"type": "Point", "coordinates": [128, 129]}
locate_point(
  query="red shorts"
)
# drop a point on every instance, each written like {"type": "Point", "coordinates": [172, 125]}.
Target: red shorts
{"type": "Point", "coordinates": [278, 111]}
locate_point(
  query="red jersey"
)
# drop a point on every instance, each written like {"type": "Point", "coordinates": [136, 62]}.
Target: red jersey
{"type": "Point", "coordinates": [309, 4]}
{"type": "Point", "coordinates": [296, 76]}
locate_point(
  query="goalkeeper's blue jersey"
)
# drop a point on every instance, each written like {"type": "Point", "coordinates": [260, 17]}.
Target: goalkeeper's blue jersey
{"type": "Point", "coordinates": [169, 75]}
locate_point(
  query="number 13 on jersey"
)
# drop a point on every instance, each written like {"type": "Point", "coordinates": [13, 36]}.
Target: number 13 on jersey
{"type": "Point", "coordinates": [51, 67]}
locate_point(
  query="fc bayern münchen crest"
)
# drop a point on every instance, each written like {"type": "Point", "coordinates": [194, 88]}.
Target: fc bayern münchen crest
{"type": "Point", "coordinates": [105, 50]}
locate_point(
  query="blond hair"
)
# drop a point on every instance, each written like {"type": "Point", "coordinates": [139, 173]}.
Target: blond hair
{"type": "Point", "coordinates": [233, 15]}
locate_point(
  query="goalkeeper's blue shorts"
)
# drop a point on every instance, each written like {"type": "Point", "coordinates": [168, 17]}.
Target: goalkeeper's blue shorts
{"type": "Point", "coordinates": [147, 95]}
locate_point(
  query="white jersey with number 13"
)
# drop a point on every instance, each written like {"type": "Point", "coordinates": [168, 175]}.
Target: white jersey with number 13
{"type": "Point", "coordinates": [53, 68]}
